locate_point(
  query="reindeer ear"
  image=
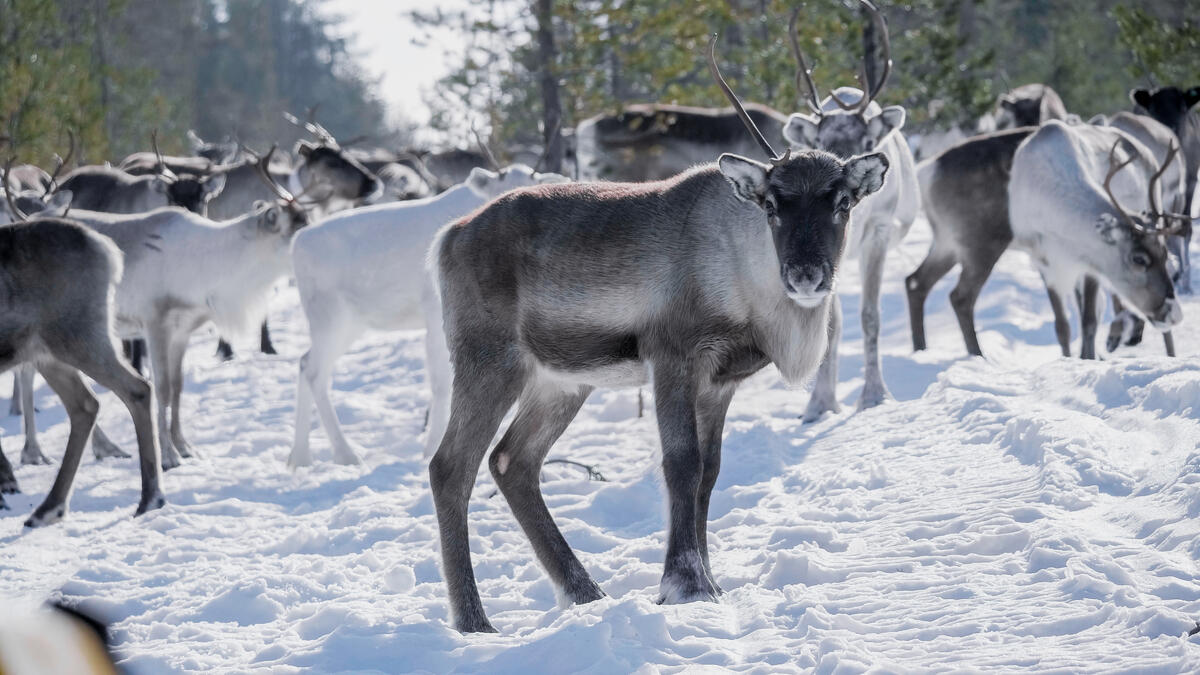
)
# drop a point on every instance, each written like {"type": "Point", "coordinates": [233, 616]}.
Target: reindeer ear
{"type": "Point", "coordinates": [748, 177]}
{"type": "Point", "coordinates": [888, 120]}
{"type": "Point", "coordinates": [865, 174]}
{"type": "Point", "coordinates": [1140, 97]}
{"type": "Point", "coordinates": [801, 131]}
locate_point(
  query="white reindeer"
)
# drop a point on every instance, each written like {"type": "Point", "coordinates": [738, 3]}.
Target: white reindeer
{"type": "Point", "coordinates": [849, 123]}
{"type": "Point", "coordinates": [362, 270]}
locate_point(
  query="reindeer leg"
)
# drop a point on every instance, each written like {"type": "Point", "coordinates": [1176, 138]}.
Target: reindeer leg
{"type": "Point", "coordinates": [824, 396]}
{"type": "Point", "coordinates": [264, 340]}
{"type": "Point", "coordinates": [32, 452]}
{"type": "Point", "coordinates": [81, 407]}
{"type": "Point", "coordinates": [478, 404]}
{"type": "Point", "coordinates": [870, 265]}
{"type": "Point", "coordinates": [135, 392]}
{"type": "Point", "coordinates": [975, 272]}
{"type": "Point", "coordinates": [177, 347]}
{"type": "Point", "coordinates": [8, 480]}
{"type": "Point", "coordinates": [1062, 323]}
{"type": "Point", "coordinates": [918, 284]}
{"type": "Point", "coordinates": [684, 577]}
{"type": "Point", "coordinates": [328, 344]}
{"type": "Point", "coordinates": [543, 414]}
{"type": "Point", "coordinates": [1087, 296]}
{"type": "Point", "coordinates": [14, 403]}
{"type": "Point", "coordinates": [711, 406]}
{"type": "Point", "coordinates": [157, 342]}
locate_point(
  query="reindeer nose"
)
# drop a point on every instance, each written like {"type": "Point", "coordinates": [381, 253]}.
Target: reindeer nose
{"type": "Point", "coordinates": [1170, 314]}
{"type": "Point", "coordinates": [805, 280]}
{"type": "Point", "coordinates": [806, 285]}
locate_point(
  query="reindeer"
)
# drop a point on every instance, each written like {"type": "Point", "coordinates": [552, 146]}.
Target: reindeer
{"type": "Point", "coordinates": [183, 270]}
{"type": "Point", "coordinates": [19, 207]}
{"type": "Point", "coordinates": [329, 177]}
{"type": "Point", "coordinates": [1028, 106]}
{"type": "Point", "coordinates": [1127, 327]}
{"type": "Point", "coordinates": [849, 123]}
{"type": "Point", "coordinates": [1179, 110]}
{"type": "Point", "coordinates": [980, 200]}
{"type": "Point", "coordinates": [656, 141]}
{"type": "Point", "coordinates": [362, 269]}
{"type": "Point", "coordinates": [58, 314]}
{"type": "Point", "coordinates": [699, 280]}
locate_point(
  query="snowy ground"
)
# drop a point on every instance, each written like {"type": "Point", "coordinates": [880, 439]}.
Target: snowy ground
{"type": "Point", "coordinates": [1019, 512]}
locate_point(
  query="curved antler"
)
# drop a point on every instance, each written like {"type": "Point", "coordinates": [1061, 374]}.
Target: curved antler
{"type": "Point", "coordinates": [53, 185]}
{"type": "Point", "coordinates": [741, 111]}
{"type": "Point", "coordinates": [803, 72]}
{"type": "Point", "coordinates": [312, 127]}
{"type": "Point", "coordinates": [487, 152]}
{"type": "Point", "coordinates": [1113, 169]}
{"type": "Point", "coordinates": [870, 92]}
{"type": "Point", "coordinates": [17, 214]}
{"type": "Point", "coordinates": [262, 165]}
{"type": "Point", "coordinates": [162, 165]}
{"type": "Point", "coordinates": [1172, 223]}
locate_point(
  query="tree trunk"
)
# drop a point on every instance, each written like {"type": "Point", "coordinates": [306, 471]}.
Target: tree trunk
{"type": "Point", "coordinates": [551, 104]}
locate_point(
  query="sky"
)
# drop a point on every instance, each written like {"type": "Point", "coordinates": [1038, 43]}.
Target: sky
{"type": "Point", "coordinates": [382, 37]}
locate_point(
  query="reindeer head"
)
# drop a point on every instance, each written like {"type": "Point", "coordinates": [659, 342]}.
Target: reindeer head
{"type": "Point", "coordinates": [1168, 105]}
{"type": "Point", "coordinates": [806, 199]}
{"type": "Point", "coordinates": [857, 125]}
{"type": "Point", "coordinates": [324, 162]}
{"type": "Point", "coordinates": [1139, 272]}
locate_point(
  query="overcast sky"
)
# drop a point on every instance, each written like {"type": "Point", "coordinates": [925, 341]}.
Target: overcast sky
{"type": "Point", "coordinates": [382, 36]}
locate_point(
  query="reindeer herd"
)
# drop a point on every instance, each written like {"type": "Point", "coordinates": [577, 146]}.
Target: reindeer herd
{"type": "Point", "coordinates": [655, 267]}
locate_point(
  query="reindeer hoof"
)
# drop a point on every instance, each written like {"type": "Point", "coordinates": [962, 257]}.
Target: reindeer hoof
{"type": "Point", "coordinates": [347, 456]}
{"type": "Point", "coordinates": [104, 449]}
{"type": "Point", "coordinates": [32, 455]}
{"type": "Point", "coordinates": [8, 485]}
{"type": "Point", "coordinates": [46, 516]}
{"type": "Point", "coordinates": [475, 624]}
{"type": "Point", "coordinates": [872, 398]}
{"type": "Point", "coordinates": [817, 409]}
{"type": "Point", "coordinates": [156, 501]}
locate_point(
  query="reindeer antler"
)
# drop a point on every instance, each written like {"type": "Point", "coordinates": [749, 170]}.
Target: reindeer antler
{"type": "Point", "coordinates": [1113, 169]}
{"type": "Point", "coordinates": [1172, 223]}
{"type": "Point", "coordinates": [776, 159]}
{"type": "Point", "coordinates": [483, 147]}
{"type": "Point", "coordinates": [262, 165]}
{"type": "Point", "coordinates": [803, 72]}
{"type": "Point", "coordinates": [60, 163]}
{"type": "Point", "coordinates": [162, 165]}
{"type": "Point", "coordinates": [12, 204]}
{"type": "Point", "coordinates": [870, 92]}
{"type": "Point", "coordinates": [312, 127]}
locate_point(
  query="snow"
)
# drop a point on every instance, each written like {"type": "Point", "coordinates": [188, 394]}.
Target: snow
{"type": "Point", "coordinates": [1019, 512]}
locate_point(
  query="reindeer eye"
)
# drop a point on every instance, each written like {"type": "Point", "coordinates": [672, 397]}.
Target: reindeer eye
{"type": "Point", "coordinates": [843, 204]}
{"type": "Point", "coordinates": [1140, 259]}
{"type": "Point", "coordinates": [770, 208]}
{"type": "Point", "coordinates": [869, 145]}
